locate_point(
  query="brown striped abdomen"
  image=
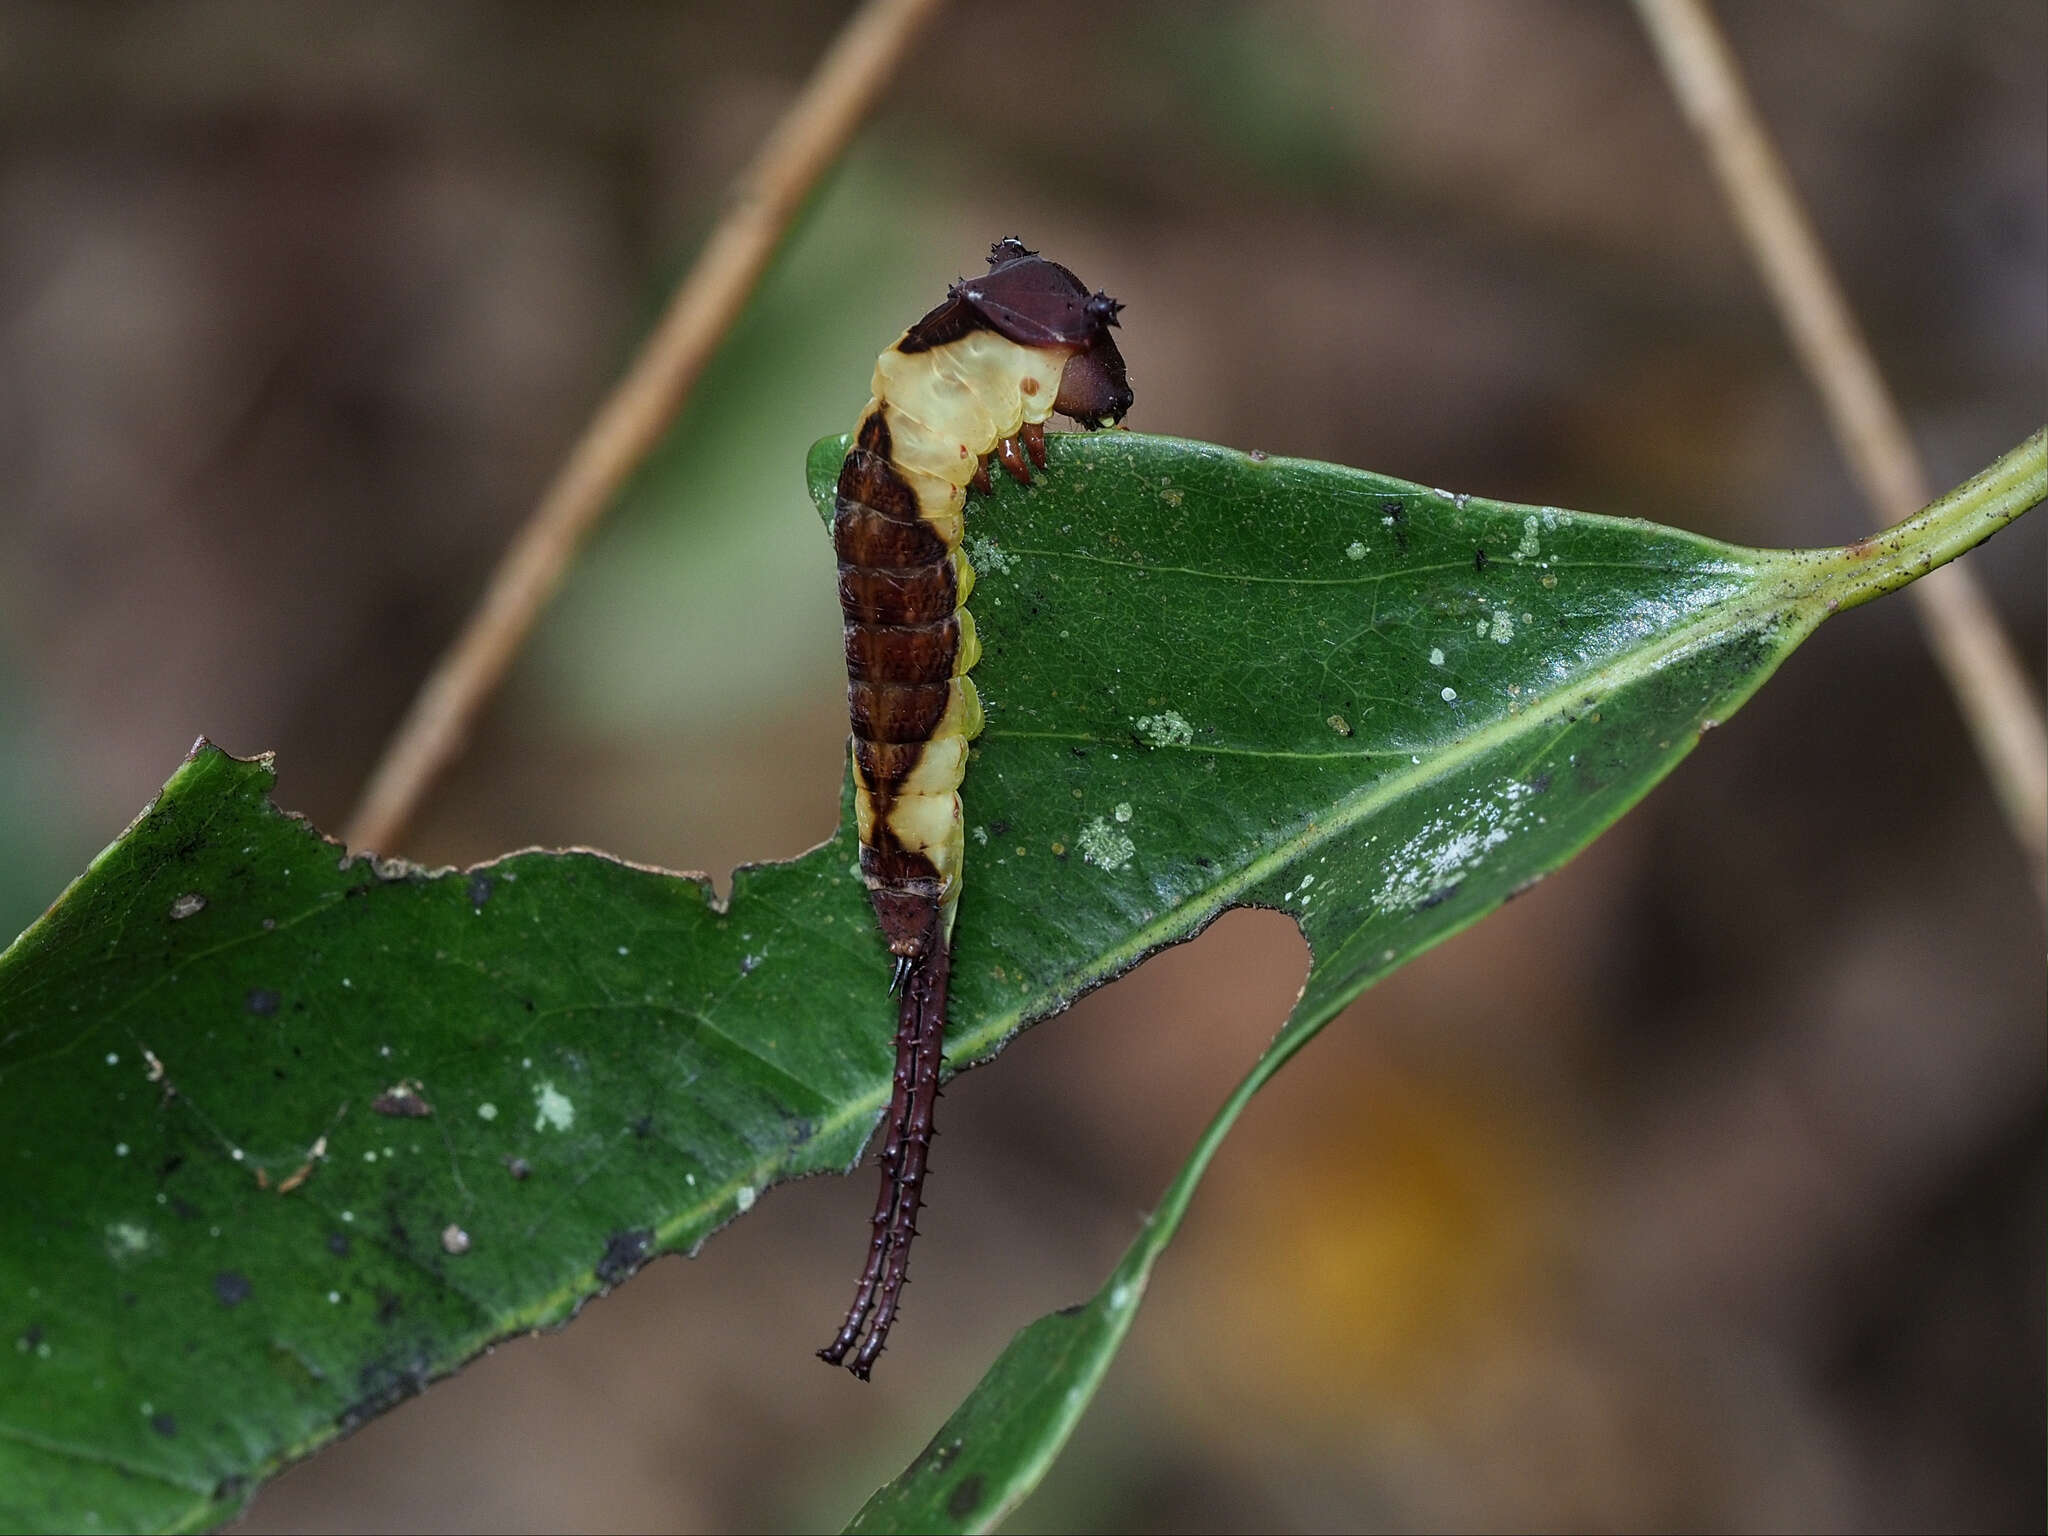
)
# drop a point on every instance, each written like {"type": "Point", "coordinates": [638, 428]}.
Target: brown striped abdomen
{"type": "Point", "coordinates": [907, 643]}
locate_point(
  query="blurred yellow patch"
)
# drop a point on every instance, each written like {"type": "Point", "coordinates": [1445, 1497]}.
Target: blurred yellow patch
{"type": "Point", "coordinates": [1370, 1251]}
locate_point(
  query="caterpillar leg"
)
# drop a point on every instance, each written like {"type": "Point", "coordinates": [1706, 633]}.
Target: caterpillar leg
{"type": "Point", "coordinates": [1033, 436]}
{"type": "Point", "coordinates": [1013, 460]}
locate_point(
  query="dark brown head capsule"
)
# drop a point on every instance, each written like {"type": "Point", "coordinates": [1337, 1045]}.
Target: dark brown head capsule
{"type": "Point", "coordinates": [1039, 303]}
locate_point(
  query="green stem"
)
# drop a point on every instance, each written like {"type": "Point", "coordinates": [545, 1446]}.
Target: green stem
{"type": "Point", "coordinates": [1945, 528]}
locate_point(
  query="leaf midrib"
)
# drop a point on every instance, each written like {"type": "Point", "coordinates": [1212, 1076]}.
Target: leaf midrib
{"type": "Point", "coordinates": [1756, 607]}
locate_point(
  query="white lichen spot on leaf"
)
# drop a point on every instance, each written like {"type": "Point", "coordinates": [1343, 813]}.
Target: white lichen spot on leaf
{"type": "Point", "coordinates": [1104, 846]}
{"type": "Point", "coordinates": [553, 1109]}
{"type": "Point", "coordinates": [127, 1241]}
{"type": "Point", "coordinates": [1529, 545]}
{"type": "Point", "coordinates": [988, 555]}
{"type": "Point", "coordinates": [1447, 848]}
{"type": "Point", "coordinates": [1169, 728]}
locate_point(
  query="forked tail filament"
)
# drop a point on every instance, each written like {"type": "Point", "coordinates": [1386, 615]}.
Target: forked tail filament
{"type": "Point", "coordinates": [920, 1037]}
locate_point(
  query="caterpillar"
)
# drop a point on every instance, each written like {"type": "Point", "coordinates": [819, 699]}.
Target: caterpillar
{"type": "Point", "coordinates": [975, 379]}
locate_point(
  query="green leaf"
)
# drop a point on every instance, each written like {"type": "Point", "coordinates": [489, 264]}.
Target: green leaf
{"type": "Point", "coordinates": [1634, 642]}
{"type": "Point", "coordinates": [291, 1134]}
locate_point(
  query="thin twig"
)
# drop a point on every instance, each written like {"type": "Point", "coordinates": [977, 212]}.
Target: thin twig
{"type": "Point", "coordinates": [766, 197]}
{"type": "Point", "coordinates": [1990, 686]}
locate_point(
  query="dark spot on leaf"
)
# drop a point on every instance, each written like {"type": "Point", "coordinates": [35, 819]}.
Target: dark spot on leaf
{"type": "Point", "coordinates": [184, 1210]}
{"type": "Point", "coordinates": [231, 1288]}
{"type": "Point", "coordinates": [170, 1165]}
{"type": "Point", "coordinates": [1438, 898]}
{"type": "Point", "coordinates": [644, 1127]}
{"type": "Point", "coordinates": [479, 889]}
{"type": "Point", "coordinates": [519, 1168]}
{"type": "Point", "coordinates": [384, 1384]}
{"type": "Point", "coordinates": [998, 829]}
{"type": "Point", "coordinates": [1078, 751]}
{"type": "Point", "coordinates": [624, 1252]}
{"type": "Point", "coordinates": [402, 1101]}
{"type": "Point", "coordinates": [1478, 559]}
{"type": "Point", "coordinates": [262, 1000]}
{"type": "Point", "coordinates": [164, 1424]}
{"type": "Point", "coordinates": [229, 1489]}
{"type": "Point", "coordinates": [1204, 863]}
{"type": "Point", "coordinates": [966, 1499]}
{"type": "Point", "coordinates": [129, 1298]}
{"type": "Point", "coordinates": [389, 1305]}
{"type": "Point", "coordinates": [1539, 784]}
{"type": "Point", "coordinates": [31, 1336]}
{"type": "Point", "coordinates": [1394, 507]}
{"type": "Point", "coordinates": [337, 1244]}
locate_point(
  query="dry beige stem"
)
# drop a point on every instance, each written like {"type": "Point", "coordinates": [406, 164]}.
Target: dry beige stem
{"type": "Point", "coordinates": [1991, 688]}
{"type": "Point", "coordinates": [767, 196]}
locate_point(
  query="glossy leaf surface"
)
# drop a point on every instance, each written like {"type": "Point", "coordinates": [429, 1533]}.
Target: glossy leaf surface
{"type": "Point", "coordinates": [291, 1134]}
{"type": "Point", "coordinates": [1580, 657]}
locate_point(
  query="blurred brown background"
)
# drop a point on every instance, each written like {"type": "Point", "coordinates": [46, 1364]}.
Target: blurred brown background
{"type": "Point", "coordinates": [1702, 1188]}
